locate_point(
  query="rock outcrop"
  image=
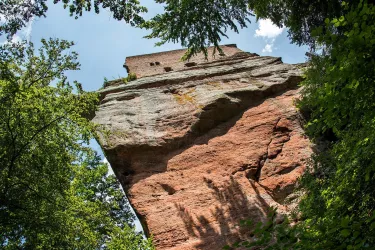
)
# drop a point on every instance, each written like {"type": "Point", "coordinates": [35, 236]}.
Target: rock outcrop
{"type": "Point", "coordinates": [199, 149]}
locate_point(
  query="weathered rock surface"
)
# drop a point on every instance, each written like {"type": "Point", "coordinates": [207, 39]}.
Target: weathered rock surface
{"type": "Point", "coordinates": [199, 150]}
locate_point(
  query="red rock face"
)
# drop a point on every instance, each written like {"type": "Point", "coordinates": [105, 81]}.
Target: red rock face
{"type": "Point", "coordinates": [198, 151]}
{"type": "Point", "coordinates": [234, 172]}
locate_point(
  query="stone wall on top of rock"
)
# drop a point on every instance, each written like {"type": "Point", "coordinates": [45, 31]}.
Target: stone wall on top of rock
{"type": "Point", "coordinates": [159, 63]}
{"type": "Point", "coordinates": [199, 150]}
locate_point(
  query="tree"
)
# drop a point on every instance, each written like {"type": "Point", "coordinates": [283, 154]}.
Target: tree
{"type": "Point", "coordinates": [337, 210]}
{"type": "Point", "coordinates": [339, 91]}
{"type": "Point", "coordinates": [54, 193]}
{"type": "Point", "coordinates": [15, 14]}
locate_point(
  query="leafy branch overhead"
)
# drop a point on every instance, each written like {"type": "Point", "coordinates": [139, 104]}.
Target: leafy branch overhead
{"type": "Point", "coordinates": [197, 24]}
{"type": "Point", "coordinates": [15, 14]}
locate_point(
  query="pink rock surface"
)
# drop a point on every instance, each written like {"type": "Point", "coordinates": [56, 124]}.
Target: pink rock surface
{"type": "Point", "coordinates": [234, 172]}
{"type": "Point", "coordinates": [198, 151]}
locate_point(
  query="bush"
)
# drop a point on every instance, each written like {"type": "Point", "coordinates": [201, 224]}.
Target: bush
{"type": "Point", "coordinates": [338, 207]}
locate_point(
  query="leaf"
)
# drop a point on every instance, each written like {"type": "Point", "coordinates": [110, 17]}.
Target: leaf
{"type": "Point", "coordinates": [345, 222]}
{"type": "Point", "coordinates": [345, 232]}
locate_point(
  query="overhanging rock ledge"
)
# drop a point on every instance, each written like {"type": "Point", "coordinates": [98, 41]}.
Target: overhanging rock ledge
{"type": "Point", "coordinates": [198, 147]}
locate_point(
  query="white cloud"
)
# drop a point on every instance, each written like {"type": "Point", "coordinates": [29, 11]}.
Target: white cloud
{"type": "Point", "coordinates": [23, 34]}
{"type": "Point", "coordinates": [28, 30]}
{"type": "Point", "coordinates": [267, 29]}
{"type": "Point", "coordinates": [268, 48]}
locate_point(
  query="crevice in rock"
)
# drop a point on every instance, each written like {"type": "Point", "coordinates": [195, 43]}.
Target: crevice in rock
{"type": "Point", "coordinates": [255, 173]}
{"type": "Point", "coordinates": [279, 195]}
{"type": "Point", "coordinates": [169, 189]}
{"type": "Point", "coordinates": [261, 164]}
{"type": "Point", "coordinates": [265, 156]}
{"type": "Point", "coordinates": [267, 74]}
{"type": "Point", "coordinates": [280, 135]}
{"type": "Point", "coordinates": [126, 97]}
{"type": "Point", "coordinates": [249, 169]}
{"type": "Point", "coordinates": [287, 170]}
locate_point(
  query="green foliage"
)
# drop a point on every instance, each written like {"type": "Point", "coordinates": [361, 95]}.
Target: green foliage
{"type": "Point", "coordinates": [129, 78]}
{"type": "Point", "coordinates": [54, 193]}
{"type": "Point", "coordinates": [337, 210]}
{"type": "Point", "coordinates": [123, 80]}
{"type": "Point", "coordinates": [105, 83]}
{"type": "Point", "coordinates": [339, 90]}
{"type": "Point", "coordinates": [15, 14]}
{"type": "Point", "coordinates": [105, 80]}
{"type": "Point", "coordinates": [299, 16]}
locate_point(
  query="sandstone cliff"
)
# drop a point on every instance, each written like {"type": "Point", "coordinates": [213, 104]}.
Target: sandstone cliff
{"type": "Point", "coordinates": [199, 149]}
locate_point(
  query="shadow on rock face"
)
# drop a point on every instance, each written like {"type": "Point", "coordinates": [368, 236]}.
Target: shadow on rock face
{"type": "Point", "coordinates": [233, 207]}
{"type": "Point", "coordinates": [198, 151]}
